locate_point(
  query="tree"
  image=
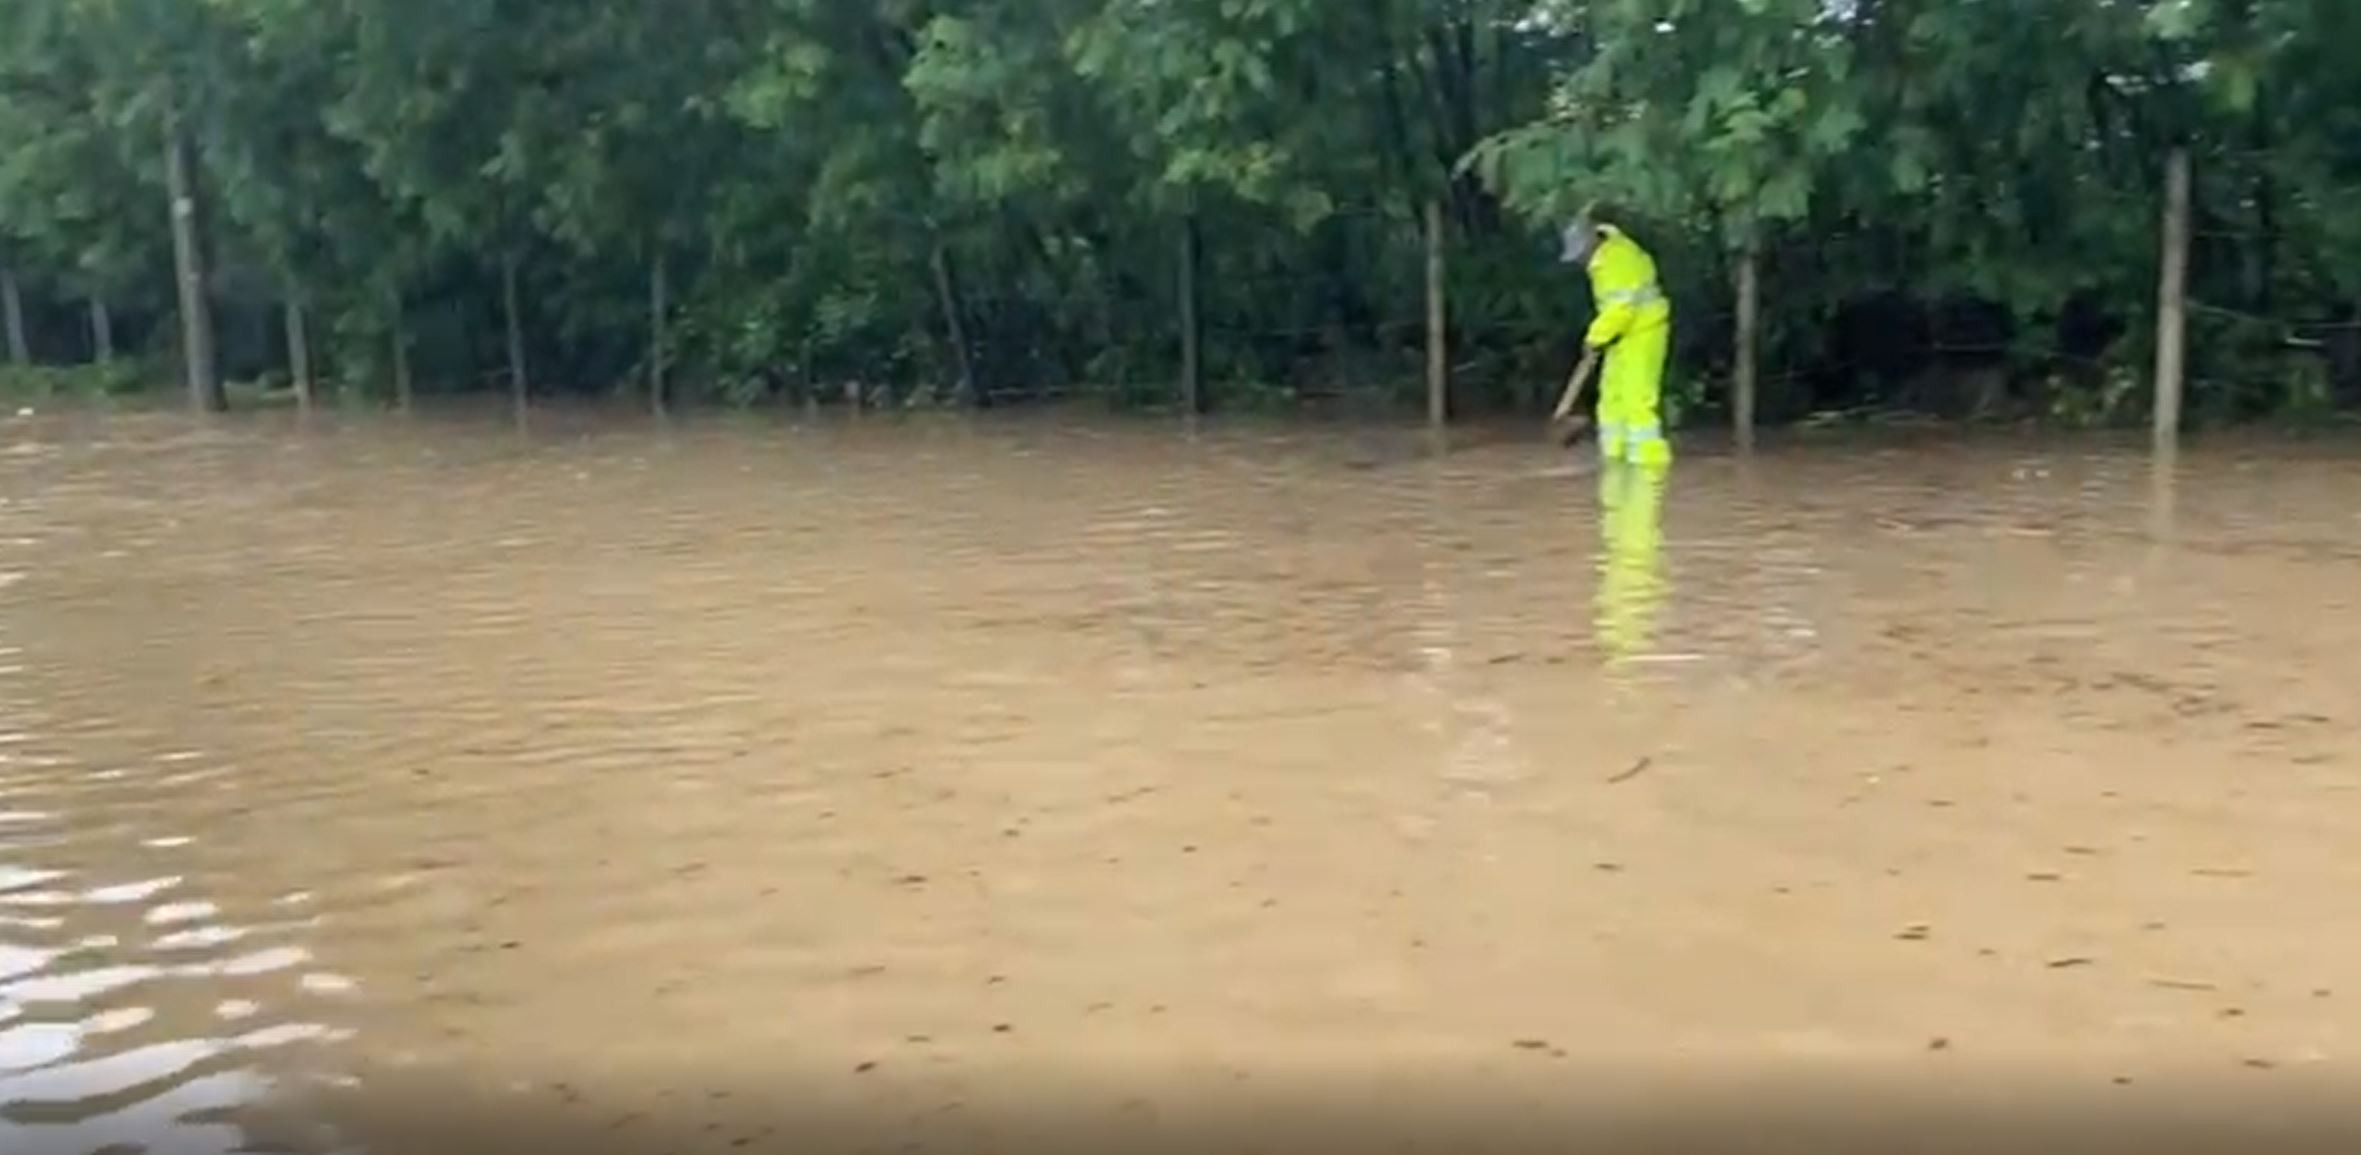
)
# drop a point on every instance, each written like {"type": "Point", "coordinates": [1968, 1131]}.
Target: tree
{"type": "Point", "coordinates": [154, 70]}
{"type": "Point", "coordinates": [1726, 119]}
{"type": "Point", "coordinates": [79, 188]}
{"type": "Point", "coordinates": [460, 108]}
{"type": "Point", "coordinates": [1018, 200]}
{"type": "Point", "coordinates": [653, 142]}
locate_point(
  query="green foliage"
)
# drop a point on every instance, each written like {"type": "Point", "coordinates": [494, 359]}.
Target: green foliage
{"type": "Point", "coordinates": [1998, 153]}
{"type": "Point", "coordinates": [22, 384]}
{"type": "Point", "coordinates": [834, 189]}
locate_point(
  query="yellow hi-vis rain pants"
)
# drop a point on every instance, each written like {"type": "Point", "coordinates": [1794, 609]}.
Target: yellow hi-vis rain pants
{"type": "Point", "coordinates": [1634, 328]}
{"type": "Point", "coordinates": [1632, 585]}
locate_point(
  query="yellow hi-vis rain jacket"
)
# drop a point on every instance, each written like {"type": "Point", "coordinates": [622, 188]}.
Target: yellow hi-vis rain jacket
{"type": "Point", "coordinates": [1634, 328]}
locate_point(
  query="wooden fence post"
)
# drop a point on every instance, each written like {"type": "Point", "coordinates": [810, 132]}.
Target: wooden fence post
{"type": "Point", "coordinates": [1438, 330]}
{"type": "Point", "coordinates": [1749, 339]}
{"type": "Point", "coordinates": [299, 350]}
{"type": "Point", "coordinates": [12, 314]}
{"type": "Point", "coordinates": [2172, 299]}
{"type": "Point", "coordinates": [1192, 366]}
{"type": "Point", "coordinates": [195, 284]}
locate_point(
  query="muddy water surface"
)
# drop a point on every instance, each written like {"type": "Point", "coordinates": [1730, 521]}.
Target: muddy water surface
{"type": "Point", "coordinates": [651, 780]}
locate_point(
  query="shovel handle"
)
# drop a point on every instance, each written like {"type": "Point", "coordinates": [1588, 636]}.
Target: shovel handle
{"type": "Point", "coordinates": [1573, 394]}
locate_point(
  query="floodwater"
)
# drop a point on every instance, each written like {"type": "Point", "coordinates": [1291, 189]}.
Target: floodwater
{"type": "Point", "coordinates": [371, 777]}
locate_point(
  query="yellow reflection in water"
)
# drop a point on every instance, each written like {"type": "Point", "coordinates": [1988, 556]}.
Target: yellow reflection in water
{"type": "Point", "coordinates": [1632, 585]}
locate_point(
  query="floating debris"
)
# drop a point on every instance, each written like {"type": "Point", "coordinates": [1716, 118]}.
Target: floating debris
{"type": "Point", "coordinates": [1637, 768]}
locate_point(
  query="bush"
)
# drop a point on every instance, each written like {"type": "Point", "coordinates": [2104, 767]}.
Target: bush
{"type": "Point", "coordinates": [72, 382]}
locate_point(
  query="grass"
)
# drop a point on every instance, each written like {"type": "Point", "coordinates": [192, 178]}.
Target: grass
{"type": "Point", "coordinates": [29, 384]}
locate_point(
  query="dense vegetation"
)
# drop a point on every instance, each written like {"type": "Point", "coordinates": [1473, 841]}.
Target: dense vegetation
{"type": "Point", "coordinates": [1951, 204]}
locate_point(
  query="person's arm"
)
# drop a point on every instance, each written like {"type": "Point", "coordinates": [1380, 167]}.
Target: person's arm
{"type": "Point", "coordinates": [1617, 301]}
{"type": "Point", "coordinates": [1608, 327]}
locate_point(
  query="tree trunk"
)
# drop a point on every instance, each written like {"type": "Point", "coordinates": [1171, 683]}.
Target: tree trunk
{"type": "Point", "coordinates": [659, 290]}
{"type": "Point", "coordinates": [2172, 298]}
{"type": "Point", "coordinates": [1465, 114]}
{"type": "Point", "coordinates": [299, 352]}
{"type": "Point", "coordinates": [12, 313]}
{"type": "Point", "coordinates": [1742, 398]}
{"type": "Point", "coordinates": [102, 332]}
{"type": "Point", "coordinates": [1402, 156]}
{"type": "Point", "coordinates": [513, 318]}
{"type": "Point", "coordinates": [954, 326]}
{"type": "Point", "coordinates": [1438, 336]}
{"type": "Point", "coordinates": [188, 259]}
{"type": "Point", "coordinates": [400, 325]}
{"type": "Point", "coordinates": [1192, 393]}
{"type": "Point", "coordinates": [2260, 250]}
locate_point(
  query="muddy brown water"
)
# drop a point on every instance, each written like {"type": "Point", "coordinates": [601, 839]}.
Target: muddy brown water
{"type": "Point", "coordinates": [955, 779]}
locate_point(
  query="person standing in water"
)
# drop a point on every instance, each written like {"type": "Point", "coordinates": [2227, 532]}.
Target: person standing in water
{"type": "Point", "coordinates": [1632, 331]}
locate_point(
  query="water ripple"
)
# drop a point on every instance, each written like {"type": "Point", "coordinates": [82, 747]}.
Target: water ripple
{"type": "Point", "coordinates": [431, 745]}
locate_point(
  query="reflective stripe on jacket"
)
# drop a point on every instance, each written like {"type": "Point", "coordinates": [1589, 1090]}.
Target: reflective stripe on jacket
{"type": "Point", "coordinates": [1623, 288]}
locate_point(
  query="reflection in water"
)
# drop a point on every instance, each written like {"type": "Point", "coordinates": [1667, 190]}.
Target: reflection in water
{"type": "Point", "coordinates": [110, 1035]}
{"type": "Point", "coordinates": [1632, 584]}
{"type": "Point", "coordinates": [1477, 727]}
{"type": "Point", "coordinates": [106, 1042]}
{"type": "Point", "coordinates": [2164, 498]}
{"type": "Point", "coordinates": [603, 764]}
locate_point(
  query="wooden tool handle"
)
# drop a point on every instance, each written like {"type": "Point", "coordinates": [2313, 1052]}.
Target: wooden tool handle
{"type": "Point", "coordinates": [1574, 384]}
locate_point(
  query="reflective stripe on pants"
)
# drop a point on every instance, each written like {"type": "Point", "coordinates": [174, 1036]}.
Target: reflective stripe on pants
{"type": "Point", "coordinates": [1631, 386]}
